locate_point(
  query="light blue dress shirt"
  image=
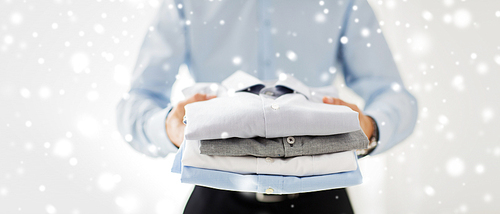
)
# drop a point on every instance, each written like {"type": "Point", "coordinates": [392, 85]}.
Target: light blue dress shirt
{"type": "Point", "coordinates": [259, 183]}
{"type": "Point", "coordinates": [264, 38]}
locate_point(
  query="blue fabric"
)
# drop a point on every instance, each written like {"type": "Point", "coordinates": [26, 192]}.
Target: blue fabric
{"type": "Point", "coordinates": [264, 38]}
{"type": "Point", "coordinates": [260, 183]}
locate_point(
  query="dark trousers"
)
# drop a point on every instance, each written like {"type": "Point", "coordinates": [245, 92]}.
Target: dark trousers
{"type": "Point", "coordinates": [207, 200]}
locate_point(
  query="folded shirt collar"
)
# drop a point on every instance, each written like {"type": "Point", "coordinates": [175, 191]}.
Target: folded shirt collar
{"type": "Point", "coordinates": [240, 81]}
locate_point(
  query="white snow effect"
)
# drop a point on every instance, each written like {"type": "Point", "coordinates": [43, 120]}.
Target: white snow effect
{"type": "Point", "coordinates": [121, 74]}
{"type": "Point", "coordinates": [222, 22]}
{"type": "Point", "coordinates": [420, 43]}
{"type": "Point", "coordinates": [443, 119]}
{"type": "Point", "coordinates": [108, 56]}
{"type": "Point", "coordinates": [429, 191]}
{"type": "Point", "coordinates": [487, 198]}
{"type": "Point", "coordinates": [4, 191]}
{"type": "Point", "coordinates": [55, 26]}
{"type": "Point", "coordinates": [224, 135]}
{"type": "Point", "coordinates": [463, 208]}
{"type": "Point", "coordinates": [92, 96]}
{"type": "Point", "coordinates": [458, 83]}
{"type": "Point", "coordinates": [326, 11]}
{"type": "Point", "coordinates": [73, 161]}
{"type": "Point", "coordinates": [44, 92]}
{"type": "Point", "coordinates": [88, 126]}
{"type": "Point", "coordinates": [497, 59]}
{"type": "Point", "coordinates": [496, 151]}
{"type": "Point", "coordinates": [473, 55]}
{"type": "Point", "coordinates": [390, 4]}
{"type": "Point", "coordinates": [214, 87]}
{"type": "Point", "coordinates": [396, 87]}
{"type": "Point", "coordinates": [128, 203]}
{"type": "Point", "coordinates": [8, 39]}
{"type": "Point", "coordinates": [41, 188]}
{"type": "Point", "coordinates": [455, 167]}
{"type": "Point", "coordinates": [497, 13]}
{"type": "Point", "coordinates": [448, 3]}
{"type": "Point", "coordinates": [482, 68]}
{"type": "Point", "coordinates": [365, 32]}
{"type": "Point", "coordinates": [332, 69]}
{"type": "Point", "coordinates": [479, 169]}
{"type": "Point", "coordinates": [129, 138]}
{"type": "Point", "coordinates": [28, 123]}
{"type": "Point", "coordinates": [344, 40]}
{"type": "Point", "coordinates": [320, 17]}
{"type": "Point", "coordinates": [41, 61]}
{"type": "Point", "coordinates": [292, 56]}
{"type": "Point", "coordinates": [16, 18]}
{"type": "Point", "coordinates": [447, 18]}
{"type": "Point", "coordinates": [321, 3]}
{"type": "Point", "coordinates": [79, 62]}
{"type": "Point", "coordinates": [237, 60]}
{"type": "Point", "coordinates": [25, 93]}
{"type": "Point", "coordinates": [324, 77]}
{"type": "Point", "coordinates": [487, 114]}
{"type": "Point", "coordinates": [50, 209]}
{"type": "Point", "coordinates": [462, 18]}
{"type": "Point", "coordinates": [282, 76]}
{"type": "Point", "coordinates": [98, 28]}
{"type": "Point", "coordinates": [427, 15]}
{"type": "Point", "coordinates": [63, 148]}
{"type": "Point", "coordinates": [108, 181]}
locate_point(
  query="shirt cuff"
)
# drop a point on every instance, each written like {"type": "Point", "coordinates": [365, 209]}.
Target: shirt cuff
{"type": "Point", "coordinates": [385, 130]}
{"type": "Point", "coordinates": [155, 130]}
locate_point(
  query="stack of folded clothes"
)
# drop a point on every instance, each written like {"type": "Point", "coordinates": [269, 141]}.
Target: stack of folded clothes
{"type": "Point", "coordinates": [276, 138]}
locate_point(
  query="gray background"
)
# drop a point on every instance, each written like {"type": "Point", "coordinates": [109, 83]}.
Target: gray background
{"type": "Point", "coordinates": [66, 63]}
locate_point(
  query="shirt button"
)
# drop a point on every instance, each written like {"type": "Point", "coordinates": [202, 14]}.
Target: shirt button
{"type": "Point", "coordinates": [290, 140]}
{"type": "Point", "coordinates": [269, 160]}
{"type": "Point", "coordinates": [275, 106]}
{"type": "Point", "coordinates": [269, 93]}
{"type": "Point", "coordinates": [269, 190]}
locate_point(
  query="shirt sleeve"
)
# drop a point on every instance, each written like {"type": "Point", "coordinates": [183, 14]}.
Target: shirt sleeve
{"type": "Point", "coordinates": [141, 114]}
{"type": "Point", "coordinates": [370, 71]}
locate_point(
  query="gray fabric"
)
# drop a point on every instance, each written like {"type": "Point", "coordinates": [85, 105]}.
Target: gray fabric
{"type": "Point", "coordinates": [279, 147]}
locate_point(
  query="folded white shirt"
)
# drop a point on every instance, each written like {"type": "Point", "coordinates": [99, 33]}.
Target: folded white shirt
{"type": "Point", "coordinates": [247, 115]}
{"type": "Point", "coordinates": [295, 166]}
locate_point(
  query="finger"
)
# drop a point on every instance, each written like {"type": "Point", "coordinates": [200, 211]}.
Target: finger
{"type": "Point", "coordinates": [328, 100]}
{"type": "Point", "coordinates": [337, 101]}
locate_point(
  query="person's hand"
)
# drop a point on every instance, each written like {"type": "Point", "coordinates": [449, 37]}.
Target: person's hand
{"type": "Point", "coordinates": [174, 124]}
{"type": "Point", "coordinates": [365, 121]}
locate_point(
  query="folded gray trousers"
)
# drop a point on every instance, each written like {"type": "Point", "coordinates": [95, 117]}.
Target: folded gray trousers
{"type": "Point", "coordinates": [285, 146]}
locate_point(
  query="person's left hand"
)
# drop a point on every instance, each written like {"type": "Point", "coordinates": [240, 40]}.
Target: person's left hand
{"type": "Point", "coordinates": [365, 121]}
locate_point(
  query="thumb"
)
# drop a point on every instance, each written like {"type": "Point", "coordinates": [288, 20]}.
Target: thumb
{"type": "Point", "coordinates": [198, 97]}
{"type": "Point", "coordinates": [328, 100]}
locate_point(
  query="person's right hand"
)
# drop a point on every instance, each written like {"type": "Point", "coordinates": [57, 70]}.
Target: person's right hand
{"type": "Point", "coordinates": [173, 123]}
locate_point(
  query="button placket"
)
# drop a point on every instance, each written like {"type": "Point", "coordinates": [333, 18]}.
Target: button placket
{"type": "Point", "coordinates": [293, 146]}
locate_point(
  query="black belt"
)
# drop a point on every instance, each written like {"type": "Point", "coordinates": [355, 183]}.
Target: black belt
{"type": "Point", "coordinates": [268, 198]}
{"type": "Point", "coordinates": [206, 200]}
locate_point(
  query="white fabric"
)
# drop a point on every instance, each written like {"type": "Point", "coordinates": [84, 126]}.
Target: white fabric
{"type": "Point", "coordinates": [247, 115]}
{"type": "Point", "coordinates": [296, 166]}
